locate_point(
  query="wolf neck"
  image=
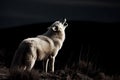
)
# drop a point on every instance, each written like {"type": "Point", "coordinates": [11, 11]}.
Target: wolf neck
{"type": "Point", "coordinates": [57, 37]}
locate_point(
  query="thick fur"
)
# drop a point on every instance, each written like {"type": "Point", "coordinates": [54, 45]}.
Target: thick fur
{"type": "Point", "coordinates": [42, 47]}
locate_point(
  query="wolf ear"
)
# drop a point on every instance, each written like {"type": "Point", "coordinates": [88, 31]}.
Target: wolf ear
{"type": "Point", "coordinates": [55, 28]}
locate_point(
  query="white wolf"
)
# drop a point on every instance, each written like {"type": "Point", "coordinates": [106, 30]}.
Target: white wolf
{"type": "Point", "coordinates": [42, 47]}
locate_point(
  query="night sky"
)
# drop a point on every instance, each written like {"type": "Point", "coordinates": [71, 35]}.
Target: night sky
{"type": "Point", "coordinates": [20, 12]}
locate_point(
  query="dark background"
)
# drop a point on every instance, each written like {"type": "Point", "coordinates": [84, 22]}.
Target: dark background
{"type": "Point", "coordinates": [93, 29]}
{"type": "Point", "coordinates": [18, 12]}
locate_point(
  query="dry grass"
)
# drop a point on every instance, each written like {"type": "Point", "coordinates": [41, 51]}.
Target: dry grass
{"type": "Point", "coordinates": [75, 72]}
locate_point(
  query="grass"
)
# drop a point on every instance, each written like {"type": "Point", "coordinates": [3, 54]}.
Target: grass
{"type": "Point", "coordinates": [75, 72]}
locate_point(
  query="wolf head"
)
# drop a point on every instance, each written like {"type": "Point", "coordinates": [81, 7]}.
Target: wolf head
{"type": "Point", "coordinates": [59, 25]}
